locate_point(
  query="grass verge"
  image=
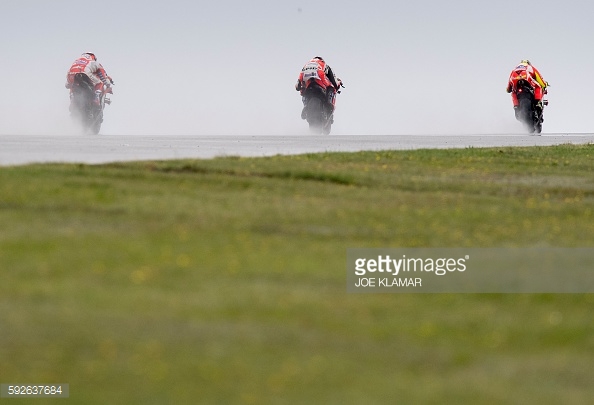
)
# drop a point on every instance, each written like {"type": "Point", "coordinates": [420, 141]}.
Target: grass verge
{"type": "Point", "coordinates": [224, 280]}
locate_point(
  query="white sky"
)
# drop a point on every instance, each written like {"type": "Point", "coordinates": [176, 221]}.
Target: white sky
{"type": "Point", "coordinates": [229, 67]}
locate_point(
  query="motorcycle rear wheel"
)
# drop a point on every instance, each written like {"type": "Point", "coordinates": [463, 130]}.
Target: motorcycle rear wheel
{"type": "Point", "coordinates": [328, 127]}
{"type": "Point", "coordinates": [314, 116]}
{"type": "Point", "coordinates": [95, 128]}
{"type": "Point", "coordinates": [94, 120]}
{"type": "Point", "coordinates": [526, 114]}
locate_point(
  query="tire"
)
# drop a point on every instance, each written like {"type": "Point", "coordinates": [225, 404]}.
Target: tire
{"type": "Point", "coordinates": [526, 114]}
{"type": "Point", "coordinates": [316, 129]}
{"type": "Point", "coordinates": [94, 122]}
{"type": "Point", "coordinates": [328, 127]}
{"type": "Point", "coordinates": [95, 128]}
{"type": "Point", "coordinates": [538, 121]}
{"type": "Point", "coordinates": [314, 115]}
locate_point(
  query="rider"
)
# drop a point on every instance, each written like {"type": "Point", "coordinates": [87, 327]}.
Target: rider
{"type": "Point", "coordinates": [323, 75]}
{"type": "Point", "coordinates": [88, 65]}
{"type": "Point", "coordinates": [527, 72]}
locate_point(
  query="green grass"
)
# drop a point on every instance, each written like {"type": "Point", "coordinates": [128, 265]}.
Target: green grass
{"type": "Point", "coordinates": [224, 281]}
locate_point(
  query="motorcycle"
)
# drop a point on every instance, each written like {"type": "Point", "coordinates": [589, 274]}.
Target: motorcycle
{"type": "Point", "coordinates": [528, 111]}
{"type": "Point", "coordinates": [87, 107]}
{"type": "Point", "coordinates": [319, 107]}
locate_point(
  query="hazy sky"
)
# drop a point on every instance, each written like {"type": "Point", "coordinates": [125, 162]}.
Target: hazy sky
{"type": "Point", "coordinates": [229, 67]}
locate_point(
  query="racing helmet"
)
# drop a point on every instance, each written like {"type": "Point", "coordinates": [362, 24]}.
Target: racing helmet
{"type": "Point", "coordinates": [90, 55]}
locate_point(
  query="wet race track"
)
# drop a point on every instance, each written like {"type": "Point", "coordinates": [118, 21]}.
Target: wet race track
{"type": "Point", "coordinates": [23, 149]}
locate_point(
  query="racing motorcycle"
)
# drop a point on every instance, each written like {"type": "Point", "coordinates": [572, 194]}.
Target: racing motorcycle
{"type": "Point", "coordinates": [87, 106]}
{"type": "Point", "coordinates": [319, 107]}
{"type": "Point", "coordinates": [528, 112]}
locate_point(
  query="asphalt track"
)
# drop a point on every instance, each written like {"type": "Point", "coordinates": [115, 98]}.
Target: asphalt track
{"type": "Point", "coordinates": [24, 149]}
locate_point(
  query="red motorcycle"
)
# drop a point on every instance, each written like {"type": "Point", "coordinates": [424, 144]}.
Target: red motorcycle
{"type": "Point", "coordinates": [319, 106]}
{"type": "Point", "coordinates": [87, 105]}
{"type": "Point", "coordinates": [529, 112]}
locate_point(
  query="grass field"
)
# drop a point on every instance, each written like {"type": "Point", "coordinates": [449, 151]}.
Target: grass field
{"type": "Point", "coordinates": [224, 281]}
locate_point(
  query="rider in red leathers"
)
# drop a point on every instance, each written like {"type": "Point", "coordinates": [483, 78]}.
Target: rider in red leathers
{"type": "Point", "coordinates": [88, 65]}
{"type": "Point", "coordinates": [318, 71]}
{"type": "Point", "coordinates": [525, 71]}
